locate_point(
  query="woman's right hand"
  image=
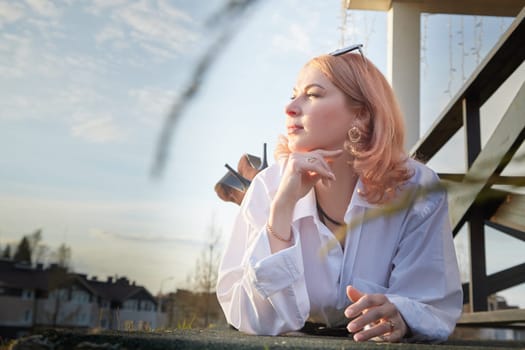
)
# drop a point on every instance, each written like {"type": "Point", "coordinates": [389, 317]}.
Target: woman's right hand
{"type": "Point", "coordinates": [302, 172]}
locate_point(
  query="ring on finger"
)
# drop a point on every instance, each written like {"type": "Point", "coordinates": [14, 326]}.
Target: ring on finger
{"type": "Point", "coordinates": [391, 324]}
{"type": "Point", "coordinates": [311, 159]}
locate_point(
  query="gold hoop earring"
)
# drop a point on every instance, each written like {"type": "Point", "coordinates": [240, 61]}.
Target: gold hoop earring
{"type": "Point", "coordinates": [354, 134]}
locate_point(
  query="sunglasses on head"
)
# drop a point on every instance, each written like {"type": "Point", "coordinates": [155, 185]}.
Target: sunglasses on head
{"type": "Point", "coordinates": [348, 49]}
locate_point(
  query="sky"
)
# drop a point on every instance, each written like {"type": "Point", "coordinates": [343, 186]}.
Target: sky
{"type": "Point", "coordinates": [85, 89]}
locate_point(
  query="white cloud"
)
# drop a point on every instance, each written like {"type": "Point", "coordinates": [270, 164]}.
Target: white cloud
{"type": "Point", "coordinates": [145, 237]}
{"type": "Point", "coordinates": [109, 33]}
{"type": "Point", "coordinates": [10, 12]}
{"type": "Point", "coordinates": [99, 6]}
{"type": "Point", "coordinates": [158, 27]}
{"type": "Point", "coordinates": [296, 39]}
{"type": "Point", "coordinates": [16, 52]}
{"type": "Point", "coordinates": [153, 103]}
{"type": "Point", "coordinates": [44, 8]}
{"type": "Point", "coordinates": [100, 129]}
{"type": "Point", "coordinates": [162, 27]}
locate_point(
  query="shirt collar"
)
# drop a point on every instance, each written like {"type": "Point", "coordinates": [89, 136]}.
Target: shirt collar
{"type": "Point", "coordinates": [306, 206]}
{"type": "Point", "coordinates": [358, 200]}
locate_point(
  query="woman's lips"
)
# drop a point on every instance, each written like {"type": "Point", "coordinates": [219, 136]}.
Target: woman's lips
{"type": "Point", "coordinates": [293, 129]}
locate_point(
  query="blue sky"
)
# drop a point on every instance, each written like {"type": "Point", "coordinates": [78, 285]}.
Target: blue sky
{"type": "Point", "coordinates": [86, 86]}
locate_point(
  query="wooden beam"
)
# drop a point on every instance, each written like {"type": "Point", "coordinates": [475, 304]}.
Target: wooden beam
{"type": "Point", "coordinates": [478, 290]}
{"type": "Point", "coordinates": [507, 8]}
{"type": "Point", "coordinates": [470, 107]}
{"type": "Point", "coordinates": [499, 281]}
{"type": "Point", "coordinates": [511, 213]}
{"type": "Point", "coordinates": [498, 65]}
{"type": "Point", "coordinates": [374, 5]}
{"type": "Point", "coordinates": [478, 270]}
{"type": "Point", "coordinates": [491, 318]}
{"type": "Point", "coordinates": [505, 279]}
{"type": "Point", "coordinates": [518, 181]}
{"type": "Point", "coordinates": [496, 154]}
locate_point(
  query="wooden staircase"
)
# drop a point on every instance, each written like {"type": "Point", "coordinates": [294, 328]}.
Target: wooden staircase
{"type": "Point", "coordinates": [473, 198]}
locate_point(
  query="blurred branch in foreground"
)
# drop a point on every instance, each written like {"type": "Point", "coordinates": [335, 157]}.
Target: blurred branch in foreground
{"type": "Point", "coordinates": [227, 20]}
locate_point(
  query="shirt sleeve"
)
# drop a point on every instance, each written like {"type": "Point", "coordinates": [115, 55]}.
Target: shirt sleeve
{"type": "Point", "coordinates": [261, 292]}
{"type": "Point", "coordinates": [425, 284]}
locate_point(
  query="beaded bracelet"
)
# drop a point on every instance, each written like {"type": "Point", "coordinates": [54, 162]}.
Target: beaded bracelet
{"type": "Point", "coordinates": [276, 235]}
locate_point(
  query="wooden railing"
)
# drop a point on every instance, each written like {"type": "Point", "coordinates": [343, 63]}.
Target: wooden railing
{"type": "Point", "coordinates": [472, 198]}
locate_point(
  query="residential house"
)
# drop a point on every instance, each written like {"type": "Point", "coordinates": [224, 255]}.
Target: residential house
{"type": "Point", "coordinates": [52, 297]}
{"type": "Point", "coordinates": [124, 305]}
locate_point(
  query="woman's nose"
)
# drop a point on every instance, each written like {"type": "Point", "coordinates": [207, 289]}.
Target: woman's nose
{"type": "Point", "coordinates": [291, 110]}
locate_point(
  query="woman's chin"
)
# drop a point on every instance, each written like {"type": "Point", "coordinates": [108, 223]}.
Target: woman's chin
{"type": "Point", "coordinates": [299, 147]}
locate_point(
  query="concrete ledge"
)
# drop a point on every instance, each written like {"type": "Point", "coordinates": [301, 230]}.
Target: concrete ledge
{"type": "Point", "coordinates": [222, 339]}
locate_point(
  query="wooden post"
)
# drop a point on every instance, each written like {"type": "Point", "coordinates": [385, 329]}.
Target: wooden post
{"type": "Point", "coordinates": [476, 223]}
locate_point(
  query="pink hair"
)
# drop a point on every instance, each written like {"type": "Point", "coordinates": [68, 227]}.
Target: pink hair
{"type": "Point", "coordinates": [379, 157]}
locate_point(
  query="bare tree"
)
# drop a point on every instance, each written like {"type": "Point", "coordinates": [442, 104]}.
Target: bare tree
{"type": "Point", "coordinates": [62, 256]}
{"type": "Point", "coordinates": [39, 251]}
{"type": "Point", "coordinates": [204, 278]}
{"type": "Point", "coordinates": [58, 278]}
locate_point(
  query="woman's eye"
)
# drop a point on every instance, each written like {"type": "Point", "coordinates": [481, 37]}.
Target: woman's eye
{"type": "Point", "coordinates": [292, 97]}
{"type": "Point", "coordinates": [311, 94]}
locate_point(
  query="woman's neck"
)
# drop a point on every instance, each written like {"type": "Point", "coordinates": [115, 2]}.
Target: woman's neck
{"type": "Point", "coordinates": [335, 196]}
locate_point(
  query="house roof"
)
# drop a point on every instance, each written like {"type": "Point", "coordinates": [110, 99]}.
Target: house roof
{"type": "Point", "coordinates": [25, 276]}
{"type": "Point", "coordinates": [20, 275]}
{"type": "Point", "coordinates": [120, 290]}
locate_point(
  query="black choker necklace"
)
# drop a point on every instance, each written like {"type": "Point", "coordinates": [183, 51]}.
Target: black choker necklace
{"type": "Point", "coordinates": [323, 215]}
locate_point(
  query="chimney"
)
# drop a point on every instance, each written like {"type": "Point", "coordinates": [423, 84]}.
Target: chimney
{"type": "Point", "coordinates": [123, 281]}
{"type": "Point", "coordinates": [94, 278]}
{"type": "Point", "coordinates": [110, 279]}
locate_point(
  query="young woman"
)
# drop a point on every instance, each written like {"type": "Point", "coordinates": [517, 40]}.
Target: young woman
{"type": "Point", "coordinates": [344, 229]}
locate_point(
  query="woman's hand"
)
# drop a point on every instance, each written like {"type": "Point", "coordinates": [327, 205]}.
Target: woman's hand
{"type": "Point", "coordinates": [374, 316]}
{"type": "Point", "coordinates": [302, 172]}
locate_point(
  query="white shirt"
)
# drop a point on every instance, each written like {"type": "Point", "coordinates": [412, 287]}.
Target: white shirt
{"type": "Point", "coordinates": [408, 255]}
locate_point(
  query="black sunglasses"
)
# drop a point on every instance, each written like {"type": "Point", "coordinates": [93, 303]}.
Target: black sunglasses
{"type": "Point", "coordinates": [348, 49]}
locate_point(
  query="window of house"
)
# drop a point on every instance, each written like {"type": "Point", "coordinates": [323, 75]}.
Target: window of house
{"type": "Point", "coordinates": [80, 297]}
{"type": "Point", "coordinates": [60, 294]}
{"type": "Point", "coordinates": [64, 295]}
{"type": "Point", "coordinates": [27, 315]}
{"type": "Point", "coordinates": [130, 304]}
{"type": "Point", "coordinates": [147, 305]}
{"type": "Point", "coordinates": [27, 294]}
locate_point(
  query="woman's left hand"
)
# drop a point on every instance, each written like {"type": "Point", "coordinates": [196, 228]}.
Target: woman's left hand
{"type": "Point", "coordinates": [374, 316]}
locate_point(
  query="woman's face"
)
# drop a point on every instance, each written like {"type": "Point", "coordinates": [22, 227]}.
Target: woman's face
{"type": "Point", "coordinates": [318, 117]}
